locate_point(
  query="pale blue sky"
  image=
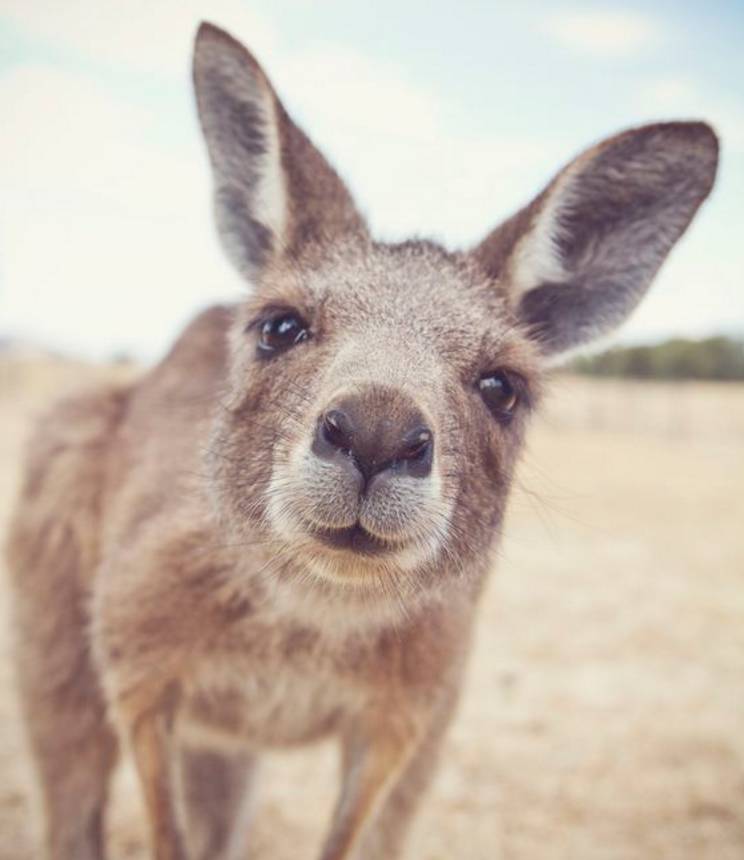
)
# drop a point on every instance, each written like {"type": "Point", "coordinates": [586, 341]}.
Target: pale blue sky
{"type": "Point", "coordinates": [442, 117]}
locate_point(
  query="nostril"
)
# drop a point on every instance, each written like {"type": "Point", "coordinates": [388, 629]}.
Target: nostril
{"type": "Point", "coordinates": [373, 442]}
{"type": "Point", "coordinates": [336, 429]}
{"type": "Point", "coordinates": [417, 444]}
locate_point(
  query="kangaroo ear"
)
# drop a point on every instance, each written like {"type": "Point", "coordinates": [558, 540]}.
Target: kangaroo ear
{"type": "Point", "coordinates": [579, 258]}
{"type": "Point", "coordinates": [274, 192]}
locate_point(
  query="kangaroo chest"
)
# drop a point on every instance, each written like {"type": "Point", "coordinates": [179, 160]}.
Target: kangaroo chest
{"type": "Point", "coordinates": [275, 687]}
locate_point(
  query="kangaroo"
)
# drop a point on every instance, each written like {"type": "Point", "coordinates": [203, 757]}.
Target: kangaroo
{"type": "Point", "coordinates": [280, 532]}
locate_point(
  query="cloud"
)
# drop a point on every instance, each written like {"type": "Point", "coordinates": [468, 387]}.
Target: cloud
{"type": "Point", "coordinates": [105, 239]}
{"type": "Point", "coordinates": [603, 32]}
{"type": "Point", "coordinates": [66, 132]}
{"type": "Point", "coordinates": [146, 36]}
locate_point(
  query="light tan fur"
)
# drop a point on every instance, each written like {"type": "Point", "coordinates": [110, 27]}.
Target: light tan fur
{"type": "Point", "coordinates": [173, 586]}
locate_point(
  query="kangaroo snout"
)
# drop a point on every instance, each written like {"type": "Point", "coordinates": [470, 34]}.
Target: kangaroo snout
{"type": "Point", "coordinates": [374, 438]}
{"type": "Point", "coordinates": [367, 480]}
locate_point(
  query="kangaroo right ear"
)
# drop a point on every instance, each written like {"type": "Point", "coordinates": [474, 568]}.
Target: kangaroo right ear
{"type": "Point", "coordinates": [274, 192]}
{"type": "Point", "coordinates": [577, 260]}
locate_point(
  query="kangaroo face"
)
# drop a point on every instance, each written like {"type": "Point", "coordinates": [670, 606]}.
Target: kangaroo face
{"type": "Point", "coordinates": [380, 398]}
{"type": "Point", "coordinates": [377, 394]}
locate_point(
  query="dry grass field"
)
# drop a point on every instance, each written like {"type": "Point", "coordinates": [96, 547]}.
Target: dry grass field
{"type": "Point", "coordinates": [604, 712]}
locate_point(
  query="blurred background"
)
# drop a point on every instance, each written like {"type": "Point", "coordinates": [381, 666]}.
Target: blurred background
{"type": "Point", "coordinates": [604, 714]}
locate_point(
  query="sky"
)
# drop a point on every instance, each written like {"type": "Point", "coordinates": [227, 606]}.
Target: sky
{"type": "Point", "coordinates": [443, 119]}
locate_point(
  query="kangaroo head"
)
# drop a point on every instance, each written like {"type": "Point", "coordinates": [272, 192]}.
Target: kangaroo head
{"type": "Point", "coordinates": [378, 393]}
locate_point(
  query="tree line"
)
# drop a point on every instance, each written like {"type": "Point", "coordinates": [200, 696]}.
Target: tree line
{"type": "Point", "coordinates": [719, 358]}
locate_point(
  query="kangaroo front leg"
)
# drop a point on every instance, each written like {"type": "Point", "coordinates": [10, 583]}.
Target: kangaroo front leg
{"type": "Point", "coordinates": [385, 837]}
{"type": "Point", "coordinates": [372, 764]}
{"type": "Point", "coordinates": [154, 754]}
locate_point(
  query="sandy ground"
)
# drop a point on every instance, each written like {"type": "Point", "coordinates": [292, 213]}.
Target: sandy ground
{"type": "Point", "coordinates": [604, 712]}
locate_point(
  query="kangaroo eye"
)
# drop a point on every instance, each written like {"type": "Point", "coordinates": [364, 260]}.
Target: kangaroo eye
{"type": "Point", "coordinates": [280, 333]}
{"type": "Point", "coordinates": [499, 393]}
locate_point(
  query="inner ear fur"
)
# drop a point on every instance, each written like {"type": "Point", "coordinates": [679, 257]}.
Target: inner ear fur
{"type": "Point", "coordinates": [577, 260]}
{"type": "Point", "coordinates": [274, 193]}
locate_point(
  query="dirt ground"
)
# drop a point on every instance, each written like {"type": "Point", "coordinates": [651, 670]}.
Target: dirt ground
{"type": "Point", "coordinates": [604, 712]}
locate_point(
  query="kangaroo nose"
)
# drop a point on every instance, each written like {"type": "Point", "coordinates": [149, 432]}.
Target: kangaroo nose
{"type": "Point", "coordinates": [375, 443]}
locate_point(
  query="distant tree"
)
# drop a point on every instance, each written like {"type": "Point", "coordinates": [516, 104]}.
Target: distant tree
{"type": "Point", "coordinates": [712, 358]}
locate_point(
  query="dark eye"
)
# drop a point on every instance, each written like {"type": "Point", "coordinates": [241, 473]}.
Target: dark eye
{"type": "Point", "coordinates": [499, 393]}
{"type": "Point", "coordinates": [280, 333]}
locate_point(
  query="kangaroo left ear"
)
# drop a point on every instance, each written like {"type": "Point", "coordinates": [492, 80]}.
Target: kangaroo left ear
{"type": "Point", "coordinates": [274, 193]}
{"type": "Point", "coordinates": [579, 258]}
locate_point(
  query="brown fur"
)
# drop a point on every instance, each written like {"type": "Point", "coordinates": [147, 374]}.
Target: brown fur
{"type": "Point", "coordinates": [169, 586]}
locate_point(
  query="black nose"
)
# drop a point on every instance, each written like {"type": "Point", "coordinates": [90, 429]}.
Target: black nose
{"type": "Point", "coordinates": [375, 439]}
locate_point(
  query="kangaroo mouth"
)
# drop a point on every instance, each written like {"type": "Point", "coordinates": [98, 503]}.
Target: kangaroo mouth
{"type": "Point", "coordinates": [352, 539]}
